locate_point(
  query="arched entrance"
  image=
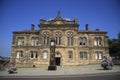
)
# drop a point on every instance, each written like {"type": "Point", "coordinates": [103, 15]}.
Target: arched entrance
{"type": "Point", "coordinates": [57, 59]}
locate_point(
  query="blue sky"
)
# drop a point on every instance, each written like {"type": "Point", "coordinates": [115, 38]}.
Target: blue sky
{"type": "Point", "coordinates": [17, 15]}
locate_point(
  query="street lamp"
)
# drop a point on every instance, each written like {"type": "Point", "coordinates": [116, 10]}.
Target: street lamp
{"type": "Point", "coordinates": [52, 65]}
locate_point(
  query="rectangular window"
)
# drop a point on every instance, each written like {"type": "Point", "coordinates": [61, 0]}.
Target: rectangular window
{"type": "Point", "coordinates": [45, 55]}
{"type": "Point", "coordinates": [85, 55]}
{"type": "Point", "coordinates": [70, 55]}
{"type": "Point", "coordinates": [96, 56]}
{"type": "Point", "coordinates": [100, 55]}
{"type": "Point", "coordinates": [81, 55]}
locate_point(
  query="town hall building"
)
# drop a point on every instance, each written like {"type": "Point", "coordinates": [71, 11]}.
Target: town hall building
{"type": "Point", "coordinates": [31, 48]}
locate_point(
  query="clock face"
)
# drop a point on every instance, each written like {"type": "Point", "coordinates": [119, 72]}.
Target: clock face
{"type": "Point", "coordinates": [52, 43]}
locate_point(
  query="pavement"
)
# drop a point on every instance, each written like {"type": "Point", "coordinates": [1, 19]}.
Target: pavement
{"type": "Point", "coordinates": [68, 70]}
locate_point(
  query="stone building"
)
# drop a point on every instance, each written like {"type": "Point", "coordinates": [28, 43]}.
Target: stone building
{"type": "Point", "coordinates": [31, 48]}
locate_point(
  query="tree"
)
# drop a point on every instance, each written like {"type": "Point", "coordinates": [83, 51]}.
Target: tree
{"type": "Point", "coordinates": [114, 46]}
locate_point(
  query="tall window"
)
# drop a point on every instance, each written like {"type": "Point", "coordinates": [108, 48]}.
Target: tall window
{"type": "Point", "coordinates": [83, 55]}
{"type": "Point", "coordinates": [58, 38]}
{"type": "Point", "coordinates": [34, 42]}
{"type": "Point", "coordinates": [20, 41]}
{"type": "Point", "coordinates": [33, 54]}
{"type": "Point", "coordinates": [82, 41]}
{"type": "Point", "coordinates": [46, 40]}
{"type": "Point", "coordinates": [70, 40]}
{"type": "Point", "coordinates": [98, 55]}
{"type": "Point", "coordinates": [45, 55]}
{"type": "Point", "coordinates": [70, 55]}
{"type": "Point", "coordinates": [19, 54]}
{"type": "Point", "coordinates": [97, 41]}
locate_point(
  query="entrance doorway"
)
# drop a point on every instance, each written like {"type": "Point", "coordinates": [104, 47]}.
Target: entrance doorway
{"type": "Point", "coordinates": [57, 61]}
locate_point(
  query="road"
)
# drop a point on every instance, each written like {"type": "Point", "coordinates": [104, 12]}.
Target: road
{"type": "Point", "coordinates": [104, 76]}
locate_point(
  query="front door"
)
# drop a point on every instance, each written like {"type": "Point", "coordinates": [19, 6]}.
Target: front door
{"type": "Point", "coordinates": [57, 61]}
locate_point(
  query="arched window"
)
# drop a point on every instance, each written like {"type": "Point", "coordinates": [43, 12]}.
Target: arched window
{"type": "Point", "coordinates": [58, 38]}
{"type": "Point", "coordinates": [19, 54]}
{"type": "Point", "coordinates": [98, 55]}
{"type": "Point", "coordinates": [46, 38]}
{"type": "Point", "coordinates": [97, 41]}
{"type": "Point", "coordinates": [45, 55]}
{"type": "Point", "coordinates": [34, 41]}
{"type": "Point", "coordinates": [33, 54]}
{"type": "Point", "coordinates": [82, 41]}
{"type": "Point", "coordinates": [20, 41]}
{"type": "Point", "coordinates": [70, 38]}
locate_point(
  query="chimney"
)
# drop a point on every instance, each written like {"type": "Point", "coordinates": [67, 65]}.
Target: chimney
{"type": "Point", "coordinates": [32, 27]}
{"type": "Point", "coordinates": [86, 27]}
{"type": "Point", "coordinates": [97, 29]}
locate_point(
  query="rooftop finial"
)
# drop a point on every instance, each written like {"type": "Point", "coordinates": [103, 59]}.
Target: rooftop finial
{"type": "Point", "coordinates": [58, 17]}
{"type": "Point", "coordinates": [58, 13]}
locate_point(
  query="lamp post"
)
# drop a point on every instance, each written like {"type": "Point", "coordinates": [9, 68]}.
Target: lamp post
{"type": "Point", "coordinates": [52, 65]}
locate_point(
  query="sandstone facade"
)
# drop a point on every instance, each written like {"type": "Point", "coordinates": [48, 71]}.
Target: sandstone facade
{"type": "Point", "coordinates": [31, 48]}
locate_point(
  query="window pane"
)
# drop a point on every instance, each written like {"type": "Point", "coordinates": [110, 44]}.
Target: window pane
{"type": "Point", "coordinates": [95, 41]}
{"type": "Point", "coordinates": [45, 55]}
{"type": "Point", "coordinates": [32, 42]}
{"type": "Point", "coordinates": [68, 41]}
{"type": "Point", "coordinates": [70, 54]}
{"type": "Point", "coordinates": [31, 54]}
{"type": "Point", "coordinates": [36, 55]}
{"type": "Point", "coordinates": [18, 53]}
{"type": "Point", "coordinates": [100, 55]}
{"type": "Point", "coordinates": [21, 53]}
{"type": "Point", "coordinates": [36, 42]}
{"type": "Point", "coordinates": [81, 55]}
{"type": "Point", "coordinates": [85, 55]}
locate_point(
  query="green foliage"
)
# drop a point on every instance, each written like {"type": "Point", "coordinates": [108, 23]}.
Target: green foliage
{"type": "Point", "coordinates": [114, 46]}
